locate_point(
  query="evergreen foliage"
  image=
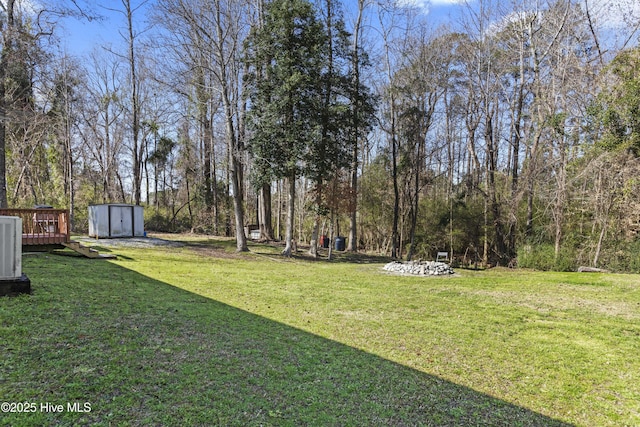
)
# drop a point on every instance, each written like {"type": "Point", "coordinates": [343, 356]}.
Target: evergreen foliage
{"type": "Point", "coordinates": [286, 56]}
{"type": "Point", "coordinates": [618, 107]}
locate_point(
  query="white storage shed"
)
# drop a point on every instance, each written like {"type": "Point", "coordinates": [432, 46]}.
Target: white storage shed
{"type": "Point", "coordinates": [116, 220]}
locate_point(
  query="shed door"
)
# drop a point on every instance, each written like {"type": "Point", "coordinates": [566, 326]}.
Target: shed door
{"type": "Point", "coordinates": [121, 218]}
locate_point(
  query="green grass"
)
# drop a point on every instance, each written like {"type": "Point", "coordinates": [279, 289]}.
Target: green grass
{"type": "Point", "coordinates": [200, 336]}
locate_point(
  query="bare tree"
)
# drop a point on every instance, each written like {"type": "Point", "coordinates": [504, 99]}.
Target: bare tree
{"type": "Point", "coordinates": [214, 31]}
{"type": "Point", "coordinates": [420, 86]}
{"type": "Point", "coordinates": [23, 29]}
{"type": "Point", "coordinates": [361, 114]}
{"type": "Point", "coordinates": [102, 127]}
{"type": "Point", "coordinates": [395, 26]}
{"type": "Point", "coordinates": [132, 58]}
{"type": "Point", "coordinates": [63, 99]}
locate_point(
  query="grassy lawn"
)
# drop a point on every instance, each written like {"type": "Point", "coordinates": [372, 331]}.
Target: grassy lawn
{"type": "Point", "coordinates": [197, 335]}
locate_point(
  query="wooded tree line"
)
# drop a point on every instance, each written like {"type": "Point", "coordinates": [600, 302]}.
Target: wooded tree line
{"type": "Point", "coordinates": [511, 137]}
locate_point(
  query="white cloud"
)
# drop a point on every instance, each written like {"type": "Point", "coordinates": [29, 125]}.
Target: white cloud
{"type": "Point", "coordinates": [424, 4]}
{"type": "Point", "coordinates": [27, 6]}
{"type": "Point", "coordinates": [446, 2]}
{"type": "Point", "coordinates": [618, 21]}
{"type": "Point", "coordinates": [421, 4]}
{"type": "Point", "coordinates": [614, 13]}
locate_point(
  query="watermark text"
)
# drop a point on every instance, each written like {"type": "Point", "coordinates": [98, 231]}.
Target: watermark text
{"type": "Point", "coordinates": [48, 407]}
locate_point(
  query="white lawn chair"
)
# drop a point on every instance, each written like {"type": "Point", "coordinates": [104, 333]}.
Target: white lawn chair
{"type": "Point", "coordinates": [442, 256]}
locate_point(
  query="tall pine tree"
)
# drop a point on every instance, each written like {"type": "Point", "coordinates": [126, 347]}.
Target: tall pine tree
{"type": "Point", "coordinates": [286, 57]}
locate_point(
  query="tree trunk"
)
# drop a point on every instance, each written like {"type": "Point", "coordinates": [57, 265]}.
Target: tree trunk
{"type": "Point", "coordinates": [232, 141]}
{"type": "Point", "coordinates": [353, 215]}
{"type": "Point", "coordinates": [332, 235]}
{"type": "Point", "coordinates": [279, 219]}
{"type": "Point", "coordinates": [238, 210]}
{"type": "Point", "coordinates": [3, 163]}
{"type": "Point", "coordinates": [561, 194]}
{"type": "Point", "coordinates": [394, 177]}
{"type": "Point", "coordinates": [68, 160]}
{"type": "Point", "coordinates": [492, 195]}
{"type": "Point", "coordinates": [236, 184]}
{"type": "Point", "coordinates": [137, 147]}
{"type": "Point", "coordinates": [603, 232]}
{"type": "Point", "coordinates": [290, 215]}
{"type": "Point", "coordinates": [4, 107]}
{"type": "Point", "coordinates": [264, 212]}
{"type": "Point", "coordinates": [313, 247]}
{"type": "Point", "coordinates": [206, 143]}
{"type": "Point", "coordinates": [416, 201]}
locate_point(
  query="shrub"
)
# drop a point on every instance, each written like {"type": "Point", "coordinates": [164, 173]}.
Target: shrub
{"type": "Point", "coordinates": [543, 257]}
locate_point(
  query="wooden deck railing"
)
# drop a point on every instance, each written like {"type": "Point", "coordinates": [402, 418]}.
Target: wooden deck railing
{"type": "Point", "coordinates": [42, 226]}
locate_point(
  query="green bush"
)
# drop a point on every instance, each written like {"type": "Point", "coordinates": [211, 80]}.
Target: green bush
{"type": "Point", "coordinates": [623, 257]}
{"type": "Point", "coordinates": [543, 257]}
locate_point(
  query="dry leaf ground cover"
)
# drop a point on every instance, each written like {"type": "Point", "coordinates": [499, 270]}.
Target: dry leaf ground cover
{"type": "Point", "coordinates": [194, 334]}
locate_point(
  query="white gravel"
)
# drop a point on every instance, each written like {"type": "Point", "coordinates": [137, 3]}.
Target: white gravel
{"type": "Point", "coordinates": [130, 242]}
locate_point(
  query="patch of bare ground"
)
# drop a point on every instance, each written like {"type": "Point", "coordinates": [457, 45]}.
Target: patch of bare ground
{"type": "Point", "coordinates": [225, 248]}
{"type": "Point", "coordinates": [554, 302]}
{"type": "Point", "coordinates": [302, 252]}
{"type": "Point", "coordinates": [215, 251]}
{"type": "Point", "coordinates": [132, 242]}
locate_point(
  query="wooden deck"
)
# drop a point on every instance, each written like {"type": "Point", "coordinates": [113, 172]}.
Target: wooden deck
{"type": "Point", "coordinates": [42, 226]}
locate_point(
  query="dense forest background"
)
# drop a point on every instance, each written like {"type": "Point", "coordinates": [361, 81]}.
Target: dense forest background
{"type": "Point", "coordinates": [510, 136]}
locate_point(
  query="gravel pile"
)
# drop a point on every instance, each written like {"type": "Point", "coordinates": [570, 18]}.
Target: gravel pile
{"type": "Point", "coordinates": [130, 242]}
{"type": "Point", "coordinates": [419, 268]}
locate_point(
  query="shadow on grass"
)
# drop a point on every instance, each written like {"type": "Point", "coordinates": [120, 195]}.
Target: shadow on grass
{"type": "Point", "coordinates": [275, 248]}
{"type": "Point", "coordinates": [142, 352]}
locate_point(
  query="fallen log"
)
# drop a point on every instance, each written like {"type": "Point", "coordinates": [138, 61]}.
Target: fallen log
{"type": "Point", "coordinates": [591, 270]}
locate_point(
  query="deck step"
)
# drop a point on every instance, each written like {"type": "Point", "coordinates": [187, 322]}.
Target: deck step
{"type": "Point", "coordinates": [83, 250]}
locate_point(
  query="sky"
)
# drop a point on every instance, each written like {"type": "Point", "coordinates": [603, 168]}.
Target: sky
{"type": "Point", "coordinates": [609, 13]}
{"type": "Point", "coordinates": [79, 37]}
{"type": "Point", "coordinates": [433, 6]}
{"type": "Point", "coordinates": [82, 36]}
